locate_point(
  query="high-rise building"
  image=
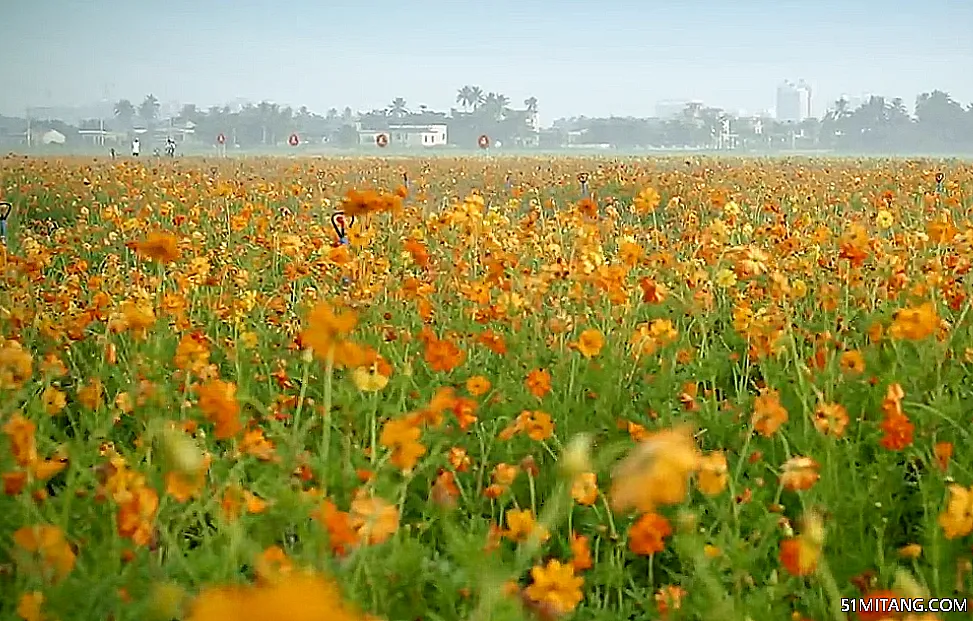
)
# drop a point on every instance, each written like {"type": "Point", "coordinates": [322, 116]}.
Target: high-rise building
{"type": "Point", "coordinates": [793, 102]}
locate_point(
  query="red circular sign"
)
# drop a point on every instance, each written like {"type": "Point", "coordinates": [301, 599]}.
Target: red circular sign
{"type": "Point", "coordinates": [293, 140]}
{"type": "Point", "coordinates": [220, 138]}
{"type": "Point", "coordinates": [484, 141]}
{"type": "Point", "coordinates": [382, 140]}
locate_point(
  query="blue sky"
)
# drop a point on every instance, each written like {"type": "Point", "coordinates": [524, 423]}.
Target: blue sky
{"type": "Point", "coordinates": [593, 58]}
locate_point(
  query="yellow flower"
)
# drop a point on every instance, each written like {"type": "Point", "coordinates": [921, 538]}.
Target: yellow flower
{"type": "Point", "coordinates": [712, 476]}
{"type": "Point", "coordinates": [884, 219]}
{"type": "Point", "coordinates": [957, 519]}
{"type": "Point", "coordinates": [369, 379]}
{"type": "Point", "coordinates": [725, 278]}
{"type": "Point", "coordinates": [555, 587]}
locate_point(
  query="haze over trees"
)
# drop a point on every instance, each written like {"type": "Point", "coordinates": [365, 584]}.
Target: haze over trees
{"type": "Point", "coordinates": [936, 123]}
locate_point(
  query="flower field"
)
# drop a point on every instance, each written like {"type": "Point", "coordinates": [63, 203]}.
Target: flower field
{"type": "Point", "coordinates": [689, 389]}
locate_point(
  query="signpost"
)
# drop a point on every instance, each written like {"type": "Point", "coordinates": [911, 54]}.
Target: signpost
{"type": "Point", "coordinates": [221, 141]}
{"type": "Point", "coordinates": [583, 180]}
{"type": "Point", "coordinates": [484, 141]}
{"type": "Point", "coordinates": [940, 185]}
{"type": "Point", "coordinates": [382, 140]}
{"type": "Point", "coordinates": [5, 209]}
{"type": "Point", "coordinates": [294, 140]}
{"type": "Point", "coordinates": [341, 224]}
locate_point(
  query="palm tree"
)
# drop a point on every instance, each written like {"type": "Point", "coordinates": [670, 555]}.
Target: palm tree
{"type": "Point", "coordinates": [478, 97]}
{"type": "Point", "coordinates": [531, 104]}
{"type": "Point", "coordinates": [466, 97]}
{"type": "Point", "coordinates": [398, 108]}
{"type": "Point", "coordinates": [125, 112]}
{"type": "Point", "coordinates": [496, 105]}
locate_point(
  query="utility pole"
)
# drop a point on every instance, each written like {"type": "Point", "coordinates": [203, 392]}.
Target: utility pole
{"type": "Point", "coordinates": [28, 128]}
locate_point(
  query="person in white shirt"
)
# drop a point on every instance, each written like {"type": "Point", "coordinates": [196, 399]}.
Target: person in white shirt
{"type": "Point", "coordinates": [135, 147]}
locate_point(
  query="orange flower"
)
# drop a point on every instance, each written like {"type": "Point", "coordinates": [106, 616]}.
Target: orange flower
{"type": "Point", "coordinates": [713, 473]}
{"type": "Point", "coordinates": [538, 382]}
{"type": "Point", "coordinates": [158, 246]}
{"type": "Point", "coordinates": [914, 324]}
{"type": "Point", "coordinates": [943, 451]}
{"type": "Point", "coordinates": [136, 514]}
{"type": "Point", "coordinates": [90, 395]}
{"type": "Point", "coordinates": [217, 401]}
{"type": "Point", "coordinates": [799, 473]}
{"type": "Point", "coordinates": [896, 427]}
{"type": "Point", "coordinates": [584, 489]}
{"type": "Point", "coordinates": [580, 553]}
{"type": "Point", "coordinates": [768, 413]}
{"type": "Point", "coordinates": [538, 426]}
{"type": "Point", "coordinates": [646, 201]}
{"type": "Point", "coordinates": [401, 436]}
{"type": "Point", "coordinates": [957, 519]}
{"type": "Point", "coordinates": [29, 606]}
{"type": "Point", "coordinates": [272, 565]}
{"type": "Point", "coordinates": [831, 419]}
{"type": "Point", "coordinates": [303, 596]}
{"type": "Point", "coordinates": [341, 536]}
{"type": "Point", "coordinates": [54, 400]}
{"type": "Point", "coordinates": [555, 587]}
{"type": "Point", "coordinates": [648, 534]}
{"type": "Point", "coordinates": [21, 432]}
{"type": "Point", "coordinates": [373, 519]}
{"type": "Point", "coordinates": [477, 385]}
{"type": "Point", "coordinates": [799, 555]}
{"type": "Point", "coordinates": [521, 526]}
{"type": "Point", "coordinates": [656, 472]}
{"type": "Point", "coordinates": [590, 343]}
{"type": "Point", "coordinates": [192, 353]}
{"type": "Point", "coordinates": [443, 355]}
{"type": "Point", "coordinates": [48, 542]}
{"type": "Point", "coordinates": [326, 334]}
{"type": "Point", "coordinates": [852, 362]}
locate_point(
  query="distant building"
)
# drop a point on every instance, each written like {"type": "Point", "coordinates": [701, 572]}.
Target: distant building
{"type": "Point", "coordinates": [675, 108]}
{"type": "Point", "coordinates": [408, 136]}
{"type": "Point", "coordinates": [793, 102]}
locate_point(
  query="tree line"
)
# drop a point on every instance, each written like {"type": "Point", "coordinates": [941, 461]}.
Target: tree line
{"type": "Point", "coordinates": [937, 123]}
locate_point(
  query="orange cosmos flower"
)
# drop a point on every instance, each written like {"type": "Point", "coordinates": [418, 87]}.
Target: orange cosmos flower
{"type": "Point", "coordinates": [443, 355]}
{"type": "Point", "coordinates": [590, 343]}
{"type": "Point", "coordinates": [161, 247]}
{"type": "Point", "coordinates": [713, 473]}
{"type": "Point", "coordinates": [217, 400]}
{"type": "Point", "coordinates": [915, 324]}
{"type": "Point", "coordinates": [303, 596]}
{"type": "Point", "coordinates": [584, 489]}
{"type": "Point", "coordinates": [401, 436]}
{"type": "Point", "coordinates": [555, 587]}
{"type": "Point", "coordinates": [50, 545]}
{"type": "Point", "coordinates": [768, 413]}
{"type": "Point", "coordinates": [957, 519]}
{"type": "Point", "coordinates": [648, 534]}
{"type": "Point", "coordinates": [580, 553]}
{"type": "Point", "coordinates": [538, 382]}
{"type": "Point", "coordinates": [799, 473]}
{"type": "Point", "coordinates": [478, 386]}
{"type": "Point", "coordinates": [656, 472]}
{"type": "Point", "coordinates": [373, 519]}
{"type": "Point", "coordinates": [831, 419]}
{"type": "Point", "coordinates": [521, 525]}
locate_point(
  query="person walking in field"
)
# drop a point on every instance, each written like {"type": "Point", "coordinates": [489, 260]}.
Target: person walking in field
{"type": "Point", "coordinates": [136, 147]}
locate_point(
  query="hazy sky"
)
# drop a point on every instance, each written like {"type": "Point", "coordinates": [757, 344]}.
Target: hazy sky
{"type": "Point", "coordinates": [594, 58]}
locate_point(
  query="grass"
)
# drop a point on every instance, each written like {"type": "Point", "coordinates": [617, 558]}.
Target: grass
{"type": "Point", "coordinates": [197, 410]}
